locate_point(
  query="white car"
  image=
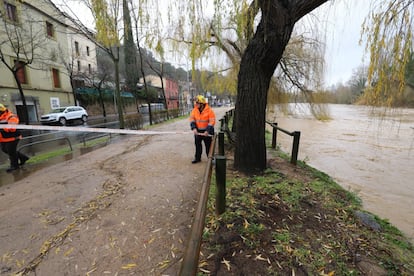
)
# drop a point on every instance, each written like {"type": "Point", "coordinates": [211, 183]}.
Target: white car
{"type": "Point", "coordinates": [63, 115]}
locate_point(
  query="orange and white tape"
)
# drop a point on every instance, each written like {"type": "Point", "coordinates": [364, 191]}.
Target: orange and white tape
{"type": "Point", "coordinates": [91, 129]}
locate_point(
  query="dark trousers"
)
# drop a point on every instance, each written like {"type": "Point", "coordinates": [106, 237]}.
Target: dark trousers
{"type": "Point", "coordinates": [198, 139]}
{"type": "Point", "coordinates": [10, 148]}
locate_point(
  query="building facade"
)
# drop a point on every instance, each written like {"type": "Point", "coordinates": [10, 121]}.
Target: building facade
{"type": "Point", "coordinates": [171, 89]}
{"type": "Point", "coordinates": [42, 52]}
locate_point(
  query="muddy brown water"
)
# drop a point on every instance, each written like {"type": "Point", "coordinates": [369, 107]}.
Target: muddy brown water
{"type": "Point", "coordinates": [369, 153]}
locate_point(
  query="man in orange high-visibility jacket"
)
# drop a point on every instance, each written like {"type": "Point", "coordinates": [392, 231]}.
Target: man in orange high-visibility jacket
{"type": "Point", "coordinates": [202, 121]}
{"type": "Point", "coordinates": [9, 138]}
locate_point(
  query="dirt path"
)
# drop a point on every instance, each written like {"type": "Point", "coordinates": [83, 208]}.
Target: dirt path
{"type": "Point", "coordinates": [125, 209]}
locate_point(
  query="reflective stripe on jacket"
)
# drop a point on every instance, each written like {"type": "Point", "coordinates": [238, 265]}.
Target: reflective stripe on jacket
{"type": "Point", "coordinates": [9, 134]}
{"type": "Point", "coordinates": [203, 119]}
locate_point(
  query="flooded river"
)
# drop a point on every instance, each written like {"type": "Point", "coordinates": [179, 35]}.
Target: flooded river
{"type": "Point", "coordinates": [371, 155]}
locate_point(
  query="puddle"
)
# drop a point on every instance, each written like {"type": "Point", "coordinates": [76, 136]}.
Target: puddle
{"type": "Point", "coordinates": [28, 169]}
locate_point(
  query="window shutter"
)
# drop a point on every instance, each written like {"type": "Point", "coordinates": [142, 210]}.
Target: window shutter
{"type": "Point", "coordinates": [21, 72]}
{"type": "Point", "coordinates": [56, 80]}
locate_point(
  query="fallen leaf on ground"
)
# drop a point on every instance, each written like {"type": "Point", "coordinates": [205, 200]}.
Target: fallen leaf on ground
{"type": "Point", "coordinates": [129, 266]}
{"type": "Point", "coordinates": [227, 263]}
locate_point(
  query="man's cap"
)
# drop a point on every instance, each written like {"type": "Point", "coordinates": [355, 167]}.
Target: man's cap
{"type": "Point", "coordinates": [200, 99]}
{"type": "Point", "coordinates": [2, 108]}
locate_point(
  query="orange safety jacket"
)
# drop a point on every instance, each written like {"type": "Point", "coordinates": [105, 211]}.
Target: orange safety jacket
{"type": "Point", "coordinates": [203, 120]}
{"type": "Point", "coordinates": [9, 134]}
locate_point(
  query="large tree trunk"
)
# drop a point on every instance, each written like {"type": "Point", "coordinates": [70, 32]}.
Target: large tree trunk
{"type": "Point", "coordinates": [257, 66]}
{"type": "Point", "coordinates": [118, 93]}
{"type": "Point", "coordinates": [130, 57]}
{"type": "Point", "coordinates": [25, 117]}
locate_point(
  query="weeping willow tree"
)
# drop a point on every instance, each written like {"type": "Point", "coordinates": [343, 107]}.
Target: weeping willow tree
{"type": "Point", "coordinates": [258, 64]}
{"type": "Point", "coordinates": [388, 32]}
{"type": "Point", "coordinates": [253, 34]}
{"type": "Point", "coordinates": [263, 30]}
{"type": "Point", "coordinates": [230, 30]}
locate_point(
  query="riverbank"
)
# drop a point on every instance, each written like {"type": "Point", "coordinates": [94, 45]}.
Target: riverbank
{"type": "Point", "coordinates": [295, 220]}
{"type": "Point", "coordinates": [367, 151]}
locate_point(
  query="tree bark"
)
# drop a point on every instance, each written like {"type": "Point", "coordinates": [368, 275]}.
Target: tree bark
{"type": "Point", "coordinates": [118, 92]}
{"type": "Point", "coordinates": [130, 57]}
{"type": "Point", "coordinates": [257, 66]}
{"type": "Point", "coordinates": [25, 118]}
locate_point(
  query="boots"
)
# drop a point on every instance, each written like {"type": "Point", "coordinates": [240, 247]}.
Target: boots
{"type": "Point", "coordinates": [23, 158]}
{"type": "Point", "coordinates": [9, 170]}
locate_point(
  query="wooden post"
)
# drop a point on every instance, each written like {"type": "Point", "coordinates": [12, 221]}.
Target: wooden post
{"type": "Point", "coordinates": [221, 184]}
{"type": "Point", "coordinates": [221, 143]}
{"type": "Point", "coordinates": [274, 135]}
{"type": "Point", "coordinates": [295, 147]}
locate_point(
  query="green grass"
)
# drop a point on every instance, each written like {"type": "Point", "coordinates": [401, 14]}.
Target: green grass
{"type": "Point", "coordinates": [46, 156]}
{"type": "Point", "coordinates": [94, 142]}
{"type": "Point", "coordinates": [42, 157]}
{"type": "Point", "coordinates": [309, 224]}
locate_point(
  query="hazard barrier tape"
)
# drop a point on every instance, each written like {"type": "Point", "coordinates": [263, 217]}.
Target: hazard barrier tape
{"type": "Point", "coordinates": [101, 130]}
{"type": "Point", "coordinates": [91, 129]}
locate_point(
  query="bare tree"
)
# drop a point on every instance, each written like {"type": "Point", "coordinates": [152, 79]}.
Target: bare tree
{"type": "Point", "coordinates": [107, 17]}
{"type": "Point", "coordinates": [148, 96]}
{"type": "Point", "coordinates": [99, 80]}
{"type": "Point", "coordinates": [25, 44]}
{"type": "Point", "coordinates": [160, 74]}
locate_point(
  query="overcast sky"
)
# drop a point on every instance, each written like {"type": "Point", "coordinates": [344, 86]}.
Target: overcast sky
{"type": "Point", "coordinates": [343, 52]}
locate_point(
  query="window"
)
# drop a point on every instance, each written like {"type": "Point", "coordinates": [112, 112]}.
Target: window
{"type": "Point", "coordinates": [87, 51]}
{"type": "Point", "coordinates": [11, 12]}
{"type": "Point", "coordinates": [21, 71]}
{"type": "Point", "coordinates": [49, 29]}
{"type": "Point", "coordinates": [89, 69]}
{"type": "Point", "coordinates": [56, 79]}
{"type": "Point", "coordinates": [79, 66]}
{"type": "Point", "coordinates": [78, 83]}
{"type": "Point", "coordinates": [54, 103]}
{"type": "Point", "coordinates": [77, 48]}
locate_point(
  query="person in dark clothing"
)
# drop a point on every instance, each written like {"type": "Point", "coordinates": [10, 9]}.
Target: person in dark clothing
{"type": "Point", "coordinates": [9, 138]}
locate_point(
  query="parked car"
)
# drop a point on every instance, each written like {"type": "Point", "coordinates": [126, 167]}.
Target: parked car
{"type": "Point", "coordinates": [63, 115]}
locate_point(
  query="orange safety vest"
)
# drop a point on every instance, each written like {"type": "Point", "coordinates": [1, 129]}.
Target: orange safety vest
{"type": "Point", "coordinates": [203, 119]}
{"type": "Point", "coordinates": [9, 134]}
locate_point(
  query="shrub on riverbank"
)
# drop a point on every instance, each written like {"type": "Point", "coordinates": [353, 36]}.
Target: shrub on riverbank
{"type": "Point", "coordinates": [295, 220]}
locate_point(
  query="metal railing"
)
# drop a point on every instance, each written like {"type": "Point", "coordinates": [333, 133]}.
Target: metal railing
{"type": "Point", "coordinates": [40, 140]}
{"type": "Point", "coordinates": [296, 139]}
{"type": "Point", "coordinates": [232, 136]}
{"type": "Point", "coordinates": [189, 265]}
{"type": "Point", "coordinates": [92, 136]}
{"type": "Point", "coordinates": [47, 141]}
{"type": "Point", "coordinates": [34, 142]}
